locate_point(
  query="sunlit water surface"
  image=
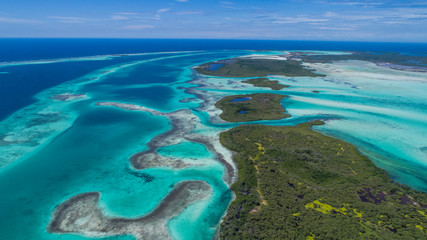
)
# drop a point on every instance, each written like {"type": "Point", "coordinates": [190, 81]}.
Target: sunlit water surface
{"type": "Point", "coordinates": [51, 150]}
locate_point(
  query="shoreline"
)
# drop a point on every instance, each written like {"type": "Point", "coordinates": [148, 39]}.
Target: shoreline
{"type": "Point", "coordinates": [350, 187]}
{"type": "Point", "coordinates": [181, 128]}
{"type": "Point", "coordinates": [82, 214]}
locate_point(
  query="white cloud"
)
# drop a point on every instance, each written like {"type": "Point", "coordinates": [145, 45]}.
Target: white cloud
{"type": "Point", "coordinates": [162, 10]}
{"type": "Point", "coordinates": [360, 17]}
{"type": "Point", "coordinates": [336, 28]}
{"type": "Point", "coordinates": [330, 14]}
{"type": "Point", "coordinates": [17, 20]}
{"type": "Point", "coordinates": [358, 3]}
{"type": "Point", "coordinates": [128, 13]}
{"type": "Point", "coordinates": [138, 27]}
{"type": "Point", "coordinates": [66, 18]}
{"type": "Point", "coordinates": [286, 20]}
{"type": "Point", "coordinates": [410, 16]}
{"type": "Point", "coordinates": [385, 15]}
{"type": "Point", "coordinates": [189, 12]}
{"type": "Point", "coordinates": [228, 5]}
{"type": "Point", "coordinates": [182, 0]}
{"type": "Point", "coordinates": [396, 22]}
{"type": "Point", "coordinates": [411, 4]}
{"type": "Point", "coordinates": [159, 12]}
{"type": "Point", "coordinates": [119, 17]}
{"type": "Point", "coordinates": [69, 19]}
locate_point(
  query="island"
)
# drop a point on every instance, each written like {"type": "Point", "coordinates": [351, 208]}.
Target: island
{"type": "Point", "coordinates": [82, 214]}
{"type": "Point", "coordinates": [248, 67]}
{"type": "Point", "coordinates": [295, 183]}
{"type": "Point", "coordinates": [398, 61]}
{"type": "Point", "coordinates": [252, 107]}
{"type": "Point", "coordinates": [292, 181]}
{"type": "Point", "coordinates": [69, 96]}
{"type": "Point", "coordinates": [265, 82]}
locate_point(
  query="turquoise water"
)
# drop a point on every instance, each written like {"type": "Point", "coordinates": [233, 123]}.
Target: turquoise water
{"type": "Point", "coordinates": [87, 148]}
{"type": "Point", "coordinates": [52, 150]}
{"type": "Point", "coordinates": [185, 150]}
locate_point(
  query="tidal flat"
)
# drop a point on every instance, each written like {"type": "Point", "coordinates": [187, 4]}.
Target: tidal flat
{"type": "Point", "coordinates": [107, 146]}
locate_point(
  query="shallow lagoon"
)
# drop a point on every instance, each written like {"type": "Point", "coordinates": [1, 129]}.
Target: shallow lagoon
{"type": "Point", "coordinates": [379, 110]}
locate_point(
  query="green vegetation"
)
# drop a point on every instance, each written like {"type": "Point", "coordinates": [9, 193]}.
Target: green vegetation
{"type": "Point", "coordinates": [295, 183]}
{"type": "Point", "coordinates": [265, 82]}
{"type": "Point", "coordinates": [245, 67]}
{"type": "Point", "coordinates": [375, 57]}
{"type": "Point", "coordinates": [257, 106]}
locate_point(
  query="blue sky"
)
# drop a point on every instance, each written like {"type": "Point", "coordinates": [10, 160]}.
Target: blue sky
{"type": "Point", "coordinates": [367, 20]}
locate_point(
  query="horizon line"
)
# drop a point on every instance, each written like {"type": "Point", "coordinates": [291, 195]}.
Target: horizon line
{"type": "Point", "coordinates": [223, 39]}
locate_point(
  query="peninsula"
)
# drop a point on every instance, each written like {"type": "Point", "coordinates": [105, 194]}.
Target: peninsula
{"type": "Point", "coordinates": [252, 107]}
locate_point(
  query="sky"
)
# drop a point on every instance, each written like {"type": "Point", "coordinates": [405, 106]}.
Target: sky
{"type": "Point", "coordinates": [346, 20]}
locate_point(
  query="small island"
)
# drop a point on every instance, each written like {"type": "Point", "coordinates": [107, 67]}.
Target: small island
{"type": "Point", "coordinates": [265, 82]}
{"type": "Point", "coordinates": [295, 183]}
{"type": "Point", "coordinates": [247, 67]}
{"type": "Point", "coordinates": [252, 107]}
{"type": "Point", "coordinates": [69, 96]}
{"type": "Point", "coordinates": [83, 215]}
{"type": "Point", "coordinates": [398, 61]}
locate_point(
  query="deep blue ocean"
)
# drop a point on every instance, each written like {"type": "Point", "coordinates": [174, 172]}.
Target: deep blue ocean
{"type": "Point", "coordinates": [51, 150]}
{"type": "Point", "coordinates": [12, 49]}
{"type": "Point", "coordinates": [18, 88]}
